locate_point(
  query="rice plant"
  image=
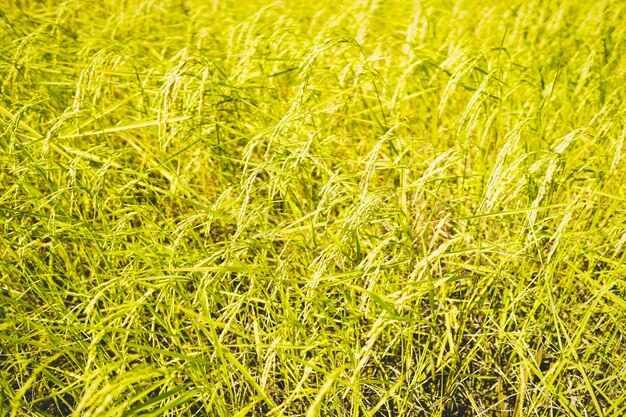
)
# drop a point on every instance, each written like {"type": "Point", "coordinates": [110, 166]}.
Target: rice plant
{"type": "Point", "coordinates": [317, 208]}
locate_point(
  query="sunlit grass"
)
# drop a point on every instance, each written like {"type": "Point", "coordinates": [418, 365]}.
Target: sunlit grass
{"type": "Point", "coordinates": [329, 208]}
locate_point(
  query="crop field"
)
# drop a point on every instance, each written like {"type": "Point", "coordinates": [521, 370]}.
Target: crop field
{"type": "Point", "coordinates": [342, 208]}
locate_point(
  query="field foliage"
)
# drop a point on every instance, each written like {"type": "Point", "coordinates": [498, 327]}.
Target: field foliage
{"type": "Point", "coordinates": [316, 208]}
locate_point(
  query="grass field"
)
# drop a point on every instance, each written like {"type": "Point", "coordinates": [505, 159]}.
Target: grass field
{"type": "Point", "coordinates": [317, 208]}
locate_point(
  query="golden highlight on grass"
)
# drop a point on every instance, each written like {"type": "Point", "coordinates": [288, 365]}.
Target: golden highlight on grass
{"type": "Point", "coordinates": [317, 208]}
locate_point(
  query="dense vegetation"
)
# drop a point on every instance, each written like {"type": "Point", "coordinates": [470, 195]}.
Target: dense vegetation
{"type": "Point", "coordinates": [320, 208]}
